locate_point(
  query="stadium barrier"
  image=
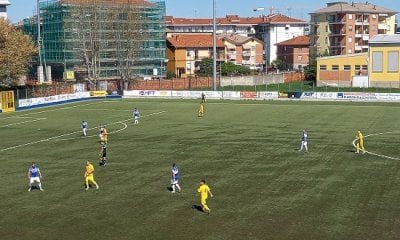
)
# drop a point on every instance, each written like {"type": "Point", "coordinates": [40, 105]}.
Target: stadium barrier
{"type": "Point", "coordinates": [323, 96]}
{"type": "Point", "coordinates": [233, 95]}
{"type": "Point", "coordinates": [59, 99]}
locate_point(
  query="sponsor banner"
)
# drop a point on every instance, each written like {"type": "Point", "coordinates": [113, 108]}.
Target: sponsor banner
{"type": "Point", "coordinates": [294, 94]}
{"type": "Point", "coordinates": [388, 96]}
{"type": "Point", "coordinates": [230, 94]}
{"type": "Point", "coordinates": [52, 99]}
{"type": "Point", "coordinates": [356, 95]}
{"type": "Point", "coordinates": [308, 95]}
{"type": "Point", "coordinates": [326, 95]}
{"type": "Point", "coordinates": [268, 95]}
{"type": "Point", "coordinates": [248, 95]}
{"type": "Point", "coordinates": [283, 95]}
{"type": "Point", "coordinates": [98, 93]}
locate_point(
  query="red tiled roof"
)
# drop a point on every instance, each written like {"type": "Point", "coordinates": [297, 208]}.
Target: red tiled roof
{"type": "Point", "coordinates": [233, 20]}
{"type": "Point", "coordinates": [296, 41]}
{"type": "Point", "coordinates": [192, 41]}
{"type": "Point", "coordinates": [108, 2]}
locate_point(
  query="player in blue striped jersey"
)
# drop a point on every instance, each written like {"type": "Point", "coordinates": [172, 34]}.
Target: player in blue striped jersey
{"type": "Point", "coordinates": [136, 116]}
{"type": "Point", "coordinates": [34, 175]}
{"type": "Point", "coordinates": [304, 141]}
{"type": "Point", "coordinates": [84, 126]}
{"type": "Point", "coordinates": [175, 178]}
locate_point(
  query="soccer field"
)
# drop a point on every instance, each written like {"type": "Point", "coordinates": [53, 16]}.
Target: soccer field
{"type": "Point", "coordinates": [246, 151]}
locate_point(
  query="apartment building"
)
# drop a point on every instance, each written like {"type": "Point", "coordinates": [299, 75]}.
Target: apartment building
{"type": "Point", "coordinates": [3, 8]}
{"type": "Point", "coordinates": [295, 52]}
{"type": "Point", "coordinates": [230, 24]}
{"type": "Point", "coordinates": [345, 28]}
{"type": "Point", "coordinates": [270, 29]}
{"type": "Point", "coordinates": [246, 51]}
{"type": "Point", "coordinates": [185, 52]}
{"type": "Point", "coordinates": [276, 28]}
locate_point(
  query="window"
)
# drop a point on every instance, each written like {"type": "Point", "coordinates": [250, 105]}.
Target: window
{"type": "Point", "coordinates": [287, 27]}
{"type": "Point", "coordinates": [347, 67]}
{"type": "Point", "coordinates": [377, 61]}
{"type": "Point", "coordinates": [373, 16]}
{"type": "Point", "coordinates": [322, 67]}
{"type": "Point", "coordinates": [393, 61]}
{"type": "Point", "coordinates": [350, 16]}
{"type": "Point", "coordinates": [326, 28]}
{"type": "Point", "coordinates": [326, 40]}
{"type": "Point", "coordinates": [373, 28]}
{"type": "Point", "coordinates": [364, 67]}
{"type": "Point", "coordinates": [335, 67]}
{"type": "Point", "coordinates": [300, 57]}
{"type": "Point", "coordinates": [349, 50]}
{"type": "Point", "coordinates": [350, 39]}
{"type": "Point", "coordinates": [357, 67]}
{"type": "Point", "coordinates": [350, 28]}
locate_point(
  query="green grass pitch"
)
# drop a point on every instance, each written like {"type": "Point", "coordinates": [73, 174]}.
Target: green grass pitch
{"type": "Point", "coordinates": [247, 151]}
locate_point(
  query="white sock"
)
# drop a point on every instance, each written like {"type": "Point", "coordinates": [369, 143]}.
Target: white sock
{"type": "Point", "coordinates": [179, 188]}
{"type": "Point", "coordinates": [173, 187]}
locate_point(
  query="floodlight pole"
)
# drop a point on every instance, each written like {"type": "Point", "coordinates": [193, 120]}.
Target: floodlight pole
{"type": "Point", "coordinates": [214, 47]}
{"type": "Point", "coordinates": [38, 32]}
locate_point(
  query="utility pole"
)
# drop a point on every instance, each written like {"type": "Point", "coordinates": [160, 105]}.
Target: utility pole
{"type": "Point", "coordinates": [214, 47]}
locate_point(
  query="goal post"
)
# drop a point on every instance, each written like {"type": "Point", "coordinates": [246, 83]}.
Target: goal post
{"type": "Point", "coordinates": [7, 101]}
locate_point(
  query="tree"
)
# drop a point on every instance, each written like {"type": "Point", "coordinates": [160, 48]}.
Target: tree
{"type": "Point", "coordinates": [228, 69]}
{"type": "Point", "coordinates": [206, 67]}
{"type": "Point", "coordinates": [16, 50]}
{"type": "Point", "coordinates": [280, 64]}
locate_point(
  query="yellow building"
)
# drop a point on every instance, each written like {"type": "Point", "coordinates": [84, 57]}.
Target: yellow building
{"type": "Point", "coordinates": [185, 52]}
{"type": "Point", "coordinates": [341, 70]}
{"type": "Point", "coordinates": [384, 61]}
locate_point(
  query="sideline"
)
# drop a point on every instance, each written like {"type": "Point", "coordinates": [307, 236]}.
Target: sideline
{"type": "Point", "coordinates": [377, 154]}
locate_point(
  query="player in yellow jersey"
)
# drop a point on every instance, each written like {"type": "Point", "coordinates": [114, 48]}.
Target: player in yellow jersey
{"type": "Point", "coordinates": [103, 135]}
{"type": "Point", "coordinates": [89, 175]}
{"type": "Point", "coordinates": [360, 142]}
{"type": "Point", "coordinates": [204, 190]}
{"type": "Point", "coordinates": [201, 110]}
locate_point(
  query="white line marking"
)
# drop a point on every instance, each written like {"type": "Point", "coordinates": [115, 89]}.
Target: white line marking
{"type": "Point", "coordinates": [125, 126]}
{"type": "Point", "coordinates": [12, 124]}
{"type": "Point", "coordinates": [376, 154]}
{"type": "Point", "coordinates": [67, 134]}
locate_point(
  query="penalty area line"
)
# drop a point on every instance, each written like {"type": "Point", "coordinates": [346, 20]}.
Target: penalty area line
{"type": "Point", "coordinates": [56, 138]}
{"type": "Point", "coordinates": [377, 154]}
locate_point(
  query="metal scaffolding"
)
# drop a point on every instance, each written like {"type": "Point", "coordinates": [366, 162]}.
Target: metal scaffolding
{"type": "Point", "coordinates": [101, 39]}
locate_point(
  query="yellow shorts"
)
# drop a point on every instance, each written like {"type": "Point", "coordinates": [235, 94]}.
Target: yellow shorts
{"type": "Point", "coordinates": [90, 178]}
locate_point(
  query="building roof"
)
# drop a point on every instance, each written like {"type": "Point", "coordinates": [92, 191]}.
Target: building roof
{"type": "Point", "coordinates": [344, 7]}
{"type": "Point", "coordinates": [108, 2]}
{"type": "Point", "coordinates": [4, 2]}
{"type": "Point", "coordinates": [193, 41]}
{"type": "Point", "coordinates": [385, 38]}
{"type": "Point", "coordinates": [233, 20]}
{"type": "Point", "coordinates": [365, 54]}
{"type": "Point", "coordinates": [296, 41]}
{"type": "Point", "coordinates": [238, 39]}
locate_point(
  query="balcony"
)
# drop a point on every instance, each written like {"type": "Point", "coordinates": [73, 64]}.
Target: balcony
{"type": "Point", "coordinates": [382, 26]}
{"type": "Point", "coordinates": [338, 33]}
{"type": "Point", "coordinates": [337, 21]}
{"type": "Point", "coordinates": [246, 53]}
{"type": "Point", "coordinates": [360, 22]}
{"type": "Point", "coordinates": [231, 56]}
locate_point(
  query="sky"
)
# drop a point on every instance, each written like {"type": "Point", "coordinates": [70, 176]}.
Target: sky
{"type": "Point", "coordinates": [20, 9]}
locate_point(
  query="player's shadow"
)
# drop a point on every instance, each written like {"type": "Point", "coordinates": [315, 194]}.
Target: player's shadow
{"type": "Point", "coordinates": [197, 207]}
{"type": "Point", "coordinates": [169, 189]}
